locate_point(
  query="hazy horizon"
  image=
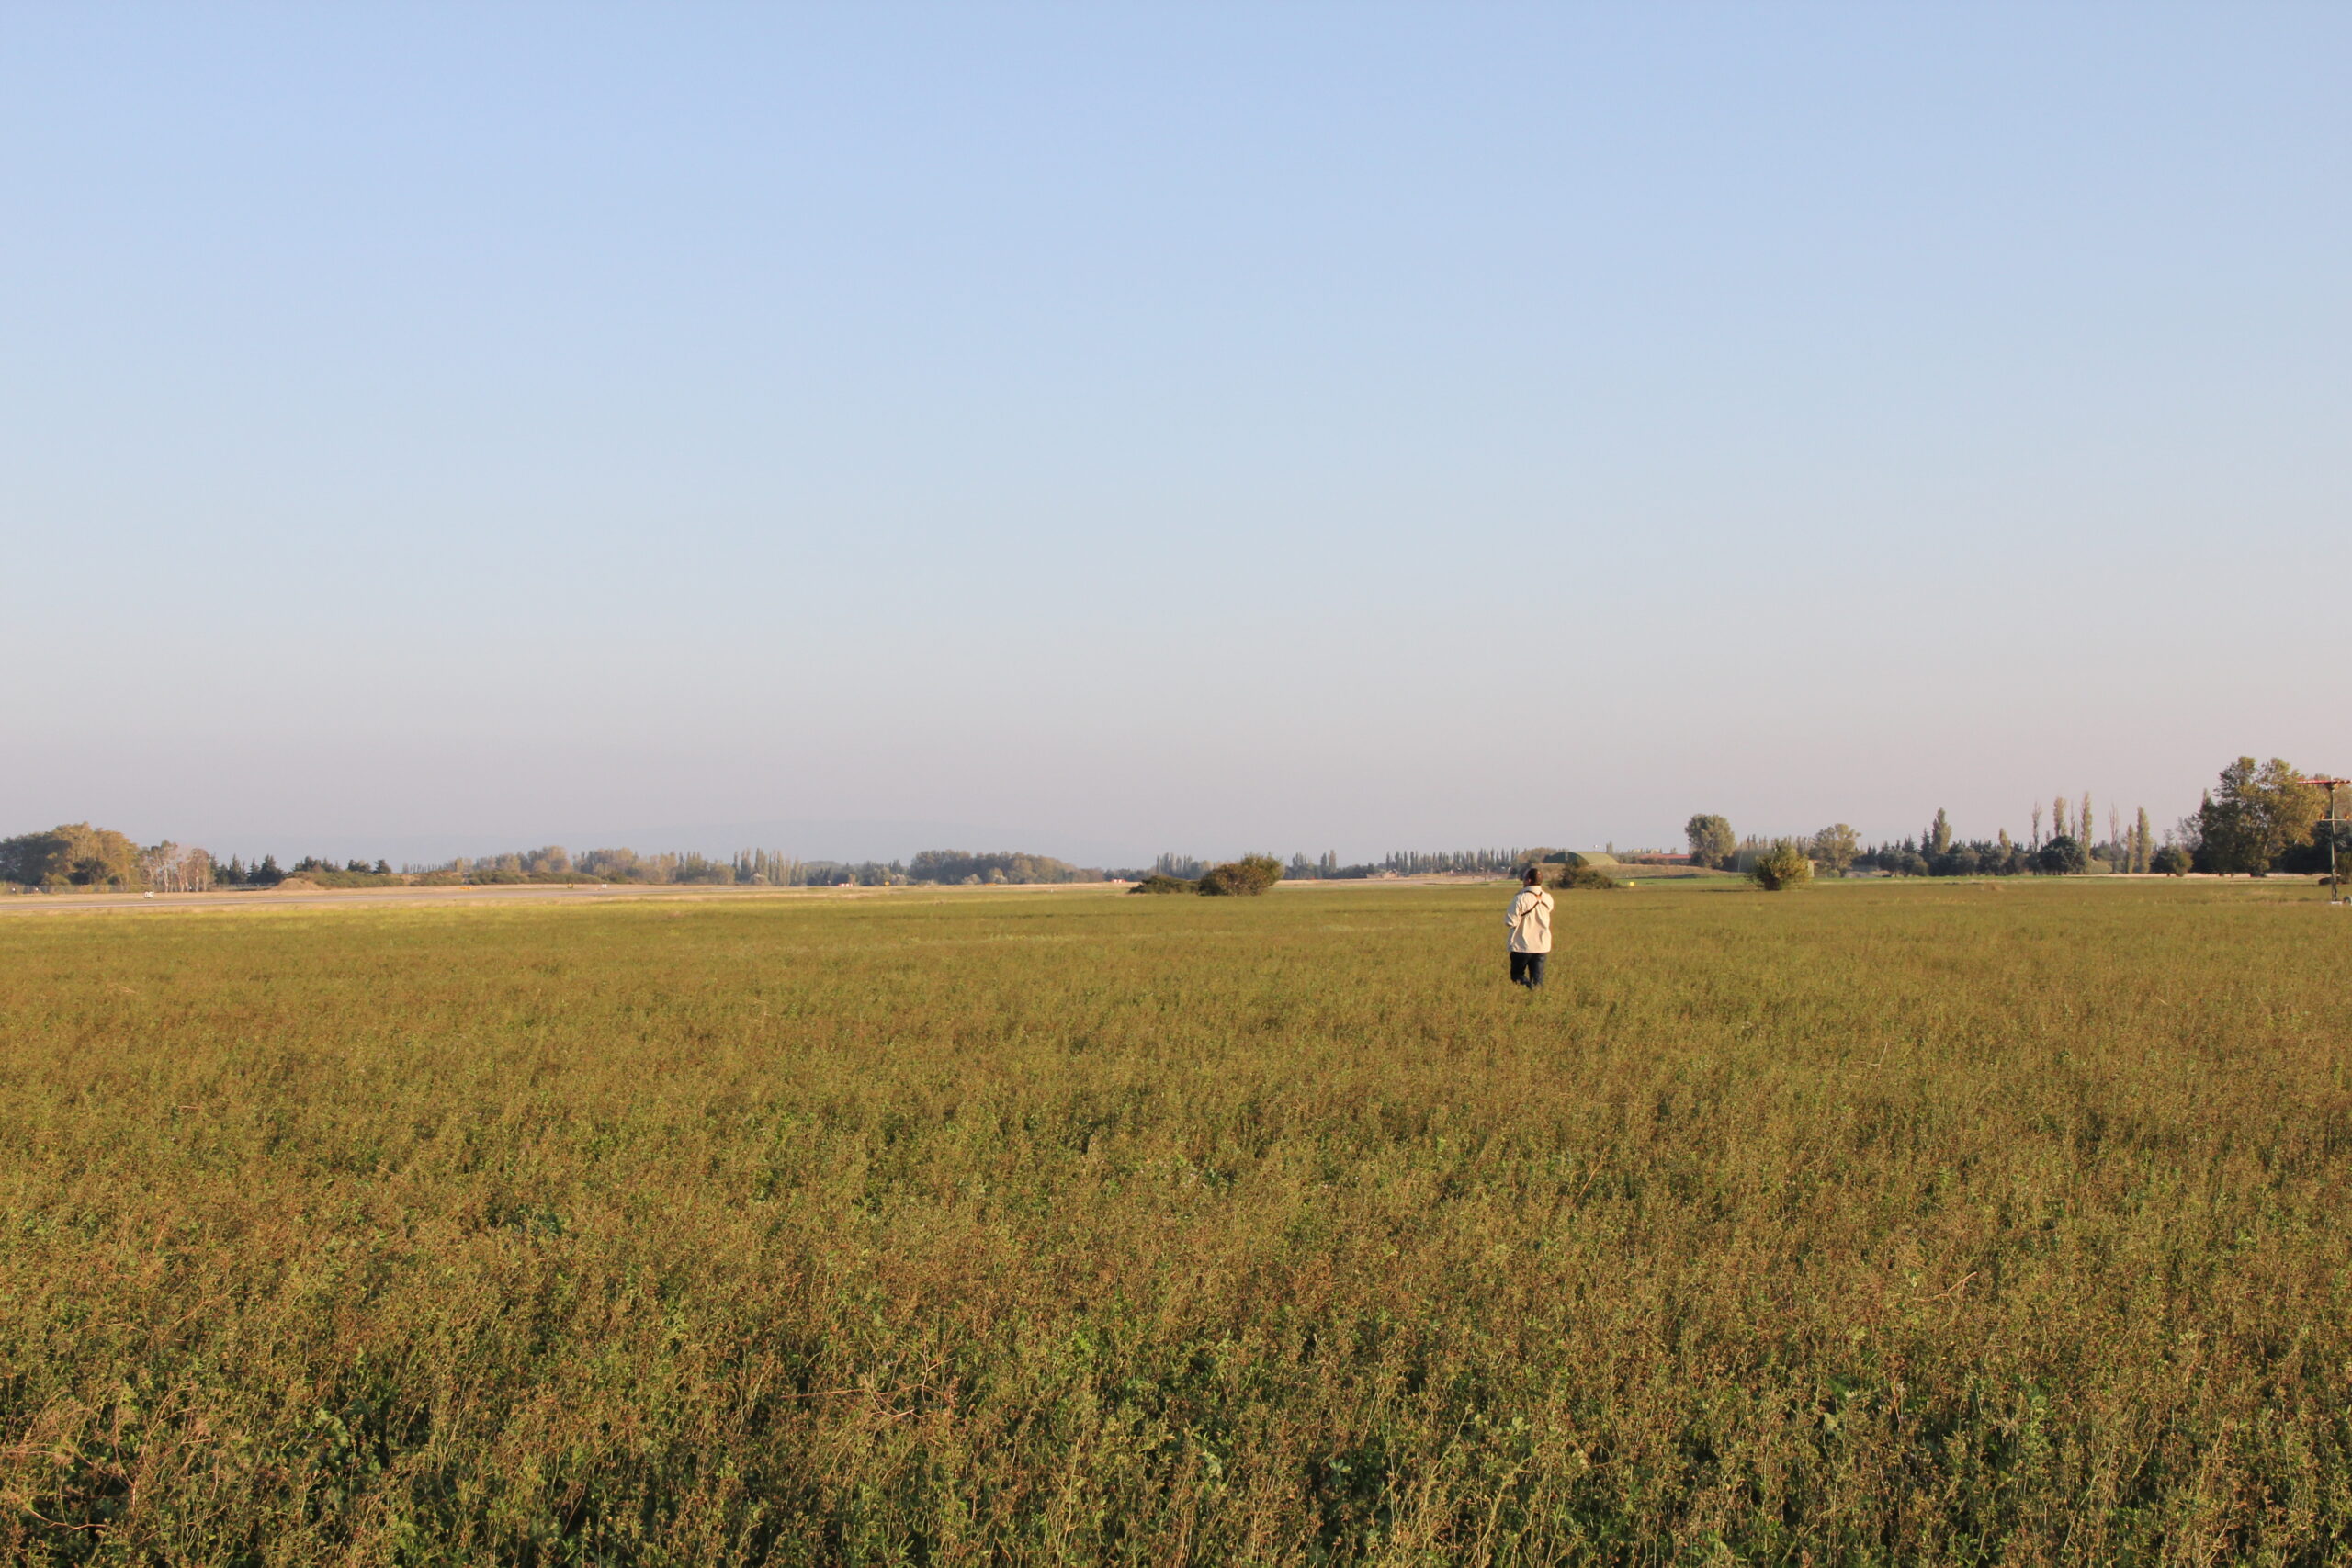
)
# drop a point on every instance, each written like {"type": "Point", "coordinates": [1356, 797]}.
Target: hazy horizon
{"type": "Point", "coordinates": [887, 840]}
{"type": "Point", "coordinates": [1102, 433]}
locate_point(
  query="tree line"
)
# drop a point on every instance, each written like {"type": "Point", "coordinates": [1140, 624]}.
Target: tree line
{"type": "Point", "coordinates": [75, 854]}
{"type": "Point", "coordinates": [1244, 878]}
{"type": "Point", "coordinates": [79, 855]}
{"type": "Point", "coordinates": [2261, 817]}
{"type": "Point", "coordinates": [1327, 867]}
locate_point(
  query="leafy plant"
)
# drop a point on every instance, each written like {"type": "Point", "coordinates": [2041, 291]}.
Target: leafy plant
{"type": "Point", "coordinates": [1711, 843]}
{"type": "Point", "coordinates": [1782, 866]}
{"type": "Point", "coordinates": [2063, 856]}
{"type": "Point", "coordinates": [1245, 878]}
{"type": "Point", "coordinates": [2260, 813]}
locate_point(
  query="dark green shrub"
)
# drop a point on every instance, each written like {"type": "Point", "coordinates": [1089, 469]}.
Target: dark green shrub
{"type": "Point", "coordinates": [2063, 856]}
{"type": "Point", "coordinates": [1782, 866]}
{"type": "Point", "coordinates": [1158, 884]}
{"type": "Point", "coordinates": [2172, 861]}
{"type": "Point", "coordinates": [1243, 878]}
{"type": "Point", "coordinates": [1584, 878]}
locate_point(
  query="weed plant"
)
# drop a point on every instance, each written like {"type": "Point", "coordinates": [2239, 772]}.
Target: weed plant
{"type": "Point", "coordinates": [1921, 1224]}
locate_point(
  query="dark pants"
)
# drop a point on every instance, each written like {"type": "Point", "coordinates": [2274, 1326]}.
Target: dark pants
{"type": "Point", "coordinates": [1527, 969]}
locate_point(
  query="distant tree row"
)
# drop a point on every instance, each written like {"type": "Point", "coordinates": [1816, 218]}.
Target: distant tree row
{"type": "Point", "coordinates": [2263, 818]}
{"type": "Point", "coordinates": [1243, 878]}
{"type": "Point", "coordinates": [1002, 866]}
{"type": "Point", "coordinates": [769, 868]}
{"type": "Point", "coordinates": [1397, 862]}
{"type": "Point", "coordinates": [1327, 867]}
{"type": "Point", "coordinates": [235, 872]}
{"type": "Point", "coordinates": [75, 854]}
{"type": "Point", "coordinates": [78, 855]}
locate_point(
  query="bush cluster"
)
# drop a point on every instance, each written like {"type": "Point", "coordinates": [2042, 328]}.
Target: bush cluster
{"type": "Point", "coordinates": [1243, 878]}
{"type": "Point", "coordinates": [1782, 866]}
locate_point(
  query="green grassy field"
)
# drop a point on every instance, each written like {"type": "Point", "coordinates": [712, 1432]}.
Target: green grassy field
{"type": "Point", "coordinates": [1917, 1225]}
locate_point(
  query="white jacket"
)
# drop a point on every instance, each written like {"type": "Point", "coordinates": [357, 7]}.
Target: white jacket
{"type": "Point", "coordinates": [1531, 922]}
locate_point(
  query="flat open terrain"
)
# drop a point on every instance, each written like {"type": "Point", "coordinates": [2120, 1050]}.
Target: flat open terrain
{"type": "Point", "coordinates": [1924, 1223]}
{"type": "Point", "coordinates": [491, 896]}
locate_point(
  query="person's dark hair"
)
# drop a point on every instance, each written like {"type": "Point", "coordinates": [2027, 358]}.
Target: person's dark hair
{"type": "Point", "coordinates": [1530, 876]}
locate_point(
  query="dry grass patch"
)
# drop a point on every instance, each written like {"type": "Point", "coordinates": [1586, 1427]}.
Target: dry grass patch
{"type": "Point", "coordinates": [1866, 1225]}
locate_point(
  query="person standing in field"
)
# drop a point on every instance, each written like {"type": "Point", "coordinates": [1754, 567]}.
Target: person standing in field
{"type": "Point", "coordinates": [1530, 930]}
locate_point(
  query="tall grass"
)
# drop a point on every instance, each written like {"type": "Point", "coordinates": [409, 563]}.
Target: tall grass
{"type": "Point", "coordinates": [1880, 1225]}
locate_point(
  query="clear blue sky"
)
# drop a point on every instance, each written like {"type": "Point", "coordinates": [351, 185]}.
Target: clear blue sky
{"type": "Point", "coordinates": [1203, 427]}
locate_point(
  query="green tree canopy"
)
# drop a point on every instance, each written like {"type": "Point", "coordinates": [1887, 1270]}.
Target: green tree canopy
{"type": "Point", "coordinates": [2063, 856]}
{"type": "Point", "coordinates": [71, 854]}
{"type": "Point", "coordinates": [1784, 865]}
{"type": "Point", "coordinates": [1246, 878]}
{"type": "Point", "coordinates": [1711, 843]}
{"type": "Point", "coordinates": [2258, 813]}
{"type": "Point", "coordinates": [1000, 866]}
{"type": "Point", "coordinates": [1835, 846]}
